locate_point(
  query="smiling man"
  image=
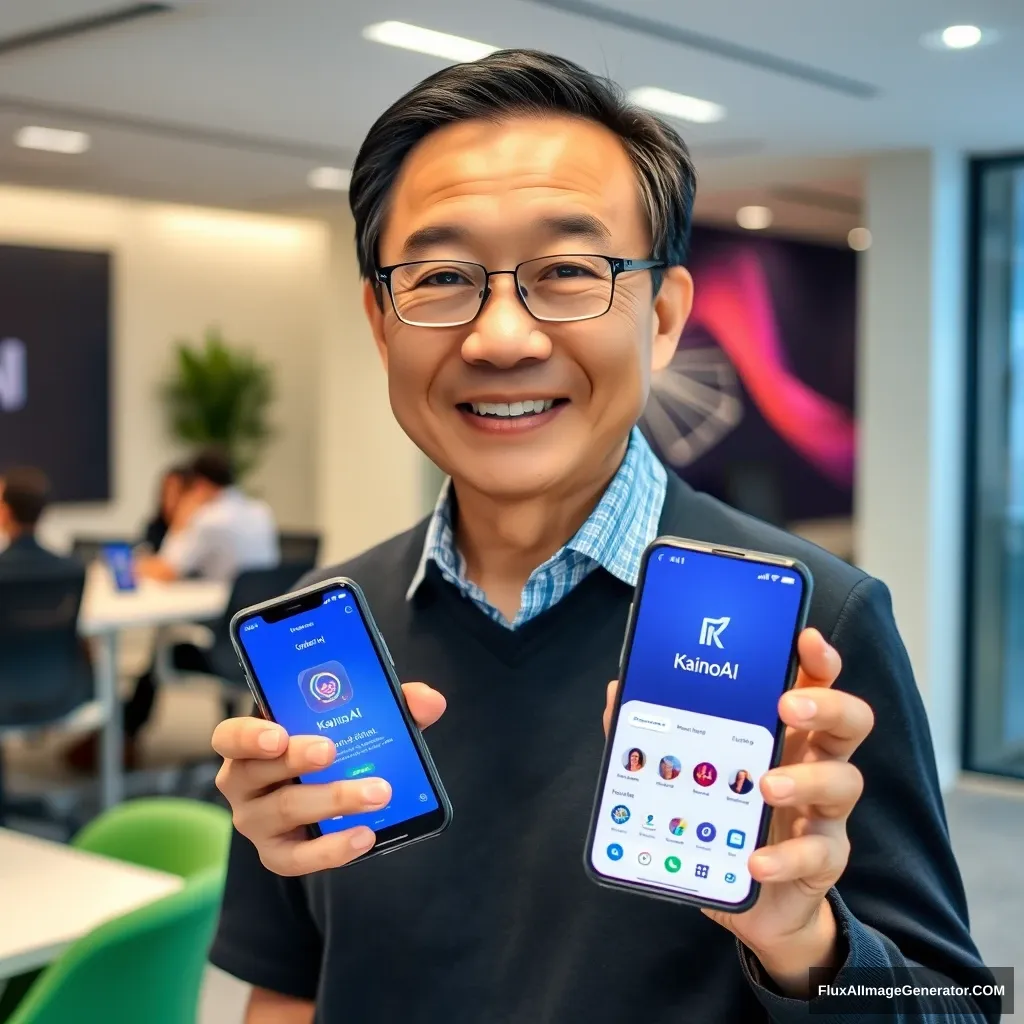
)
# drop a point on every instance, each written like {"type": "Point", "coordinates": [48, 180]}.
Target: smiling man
{"type": "Point", "coordinates": [522, 233]}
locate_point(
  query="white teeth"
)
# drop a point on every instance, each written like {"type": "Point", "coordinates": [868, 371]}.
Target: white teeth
{"type": "Point", "coordinates": [511, 409]}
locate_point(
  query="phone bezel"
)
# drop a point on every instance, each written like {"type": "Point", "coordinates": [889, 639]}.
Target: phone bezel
{"type": "Point", "coordinates": [725, 551]}
{"type": "Point", "coordinates": [401, 834]}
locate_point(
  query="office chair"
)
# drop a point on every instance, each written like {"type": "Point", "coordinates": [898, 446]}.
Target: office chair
{"type": "Point", "coordinates": [45, 673]}
{"type": "Point", "coordinates": [299, 547]}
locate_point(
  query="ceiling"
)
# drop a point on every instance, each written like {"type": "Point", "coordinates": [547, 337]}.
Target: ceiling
{"type": "Point", "coordinates": [232, 102]}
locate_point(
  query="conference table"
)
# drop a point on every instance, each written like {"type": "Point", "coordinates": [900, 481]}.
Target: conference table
{"type": "Point", "coordinates": [51, 895]}
{"type": "Point", "coordinates": [104, 615]}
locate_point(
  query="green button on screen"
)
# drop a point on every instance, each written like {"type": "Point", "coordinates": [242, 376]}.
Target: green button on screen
{"type": "Point", "coordinates": [363, 769]}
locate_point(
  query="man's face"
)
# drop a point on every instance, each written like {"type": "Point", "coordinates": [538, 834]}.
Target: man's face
{"type": "Point", "coordinates": [500, 194]}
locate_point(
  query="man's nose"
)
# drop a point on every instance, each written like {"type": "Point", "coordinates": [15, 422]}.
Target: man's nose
{"type": "Point", "coordinates": [504, 334]}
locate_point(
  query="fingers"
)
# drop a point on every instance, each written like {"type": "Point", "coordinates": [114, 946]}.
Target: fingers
{"type": "Point", "coordinates": [426, 704]}
{"type": "Point", "coordinates": [244, 779]}
{"type": "Point", "coordinates": [609, 703]}
{"type": "Point", "coordinates": [820, 663]}
{"type": "Point", "coordinates": [839, 720]}
{"type": "Point", "coordinates": [815, 859]}
{"type": "Point", "coordinates": [829, 788]}
{"type": "Point", "coordinates": [304, 856]}
{"type": "Point", "coordinates": [245, 738]}
{"type": "Point", "coordinates": [287, 808]}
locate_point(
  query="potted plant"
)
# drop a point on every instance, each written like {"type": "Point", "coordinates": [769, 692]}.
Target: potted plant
{"type": "Point", "coordinates": [220, 395]}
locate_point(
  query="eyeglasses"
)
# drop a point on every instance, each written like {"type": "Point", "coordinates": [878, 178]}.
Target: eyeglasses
{"type": "Point", "coordinates": [558, 289]}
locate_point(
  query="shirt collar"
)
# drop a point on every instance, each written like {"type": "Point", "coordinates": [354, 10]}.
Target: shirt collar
{"type": "Point", "coordinates": [630, 506]}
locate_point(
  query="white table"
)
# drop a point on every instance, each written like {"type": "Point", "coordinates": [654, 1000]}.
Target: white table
{"type": "Point", "coordinates": [104, 614]}
{"type": "Point", "coordinates": [51, 895]}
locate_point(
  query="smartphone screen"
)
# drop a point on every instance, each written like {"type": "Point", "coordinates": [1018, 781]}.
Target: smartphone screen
{"type": "Point", "coordinates": [322, 674]}
{"type": "Point", "coordinates": [119, 560]}
{"type": "Point", "coordinates": [712, 649]}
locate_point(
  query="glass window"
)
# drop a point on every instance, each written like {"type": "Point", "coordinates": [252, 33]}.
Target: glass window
{"type": "Point", "coordinates": [994, 720]}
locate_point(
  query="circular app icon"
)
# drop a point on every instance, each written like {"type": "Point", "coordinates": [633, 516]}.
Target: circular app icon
{"type": "Point", "coordinates": [741, 781]}
{"type": "Point", "coordinates": [324, 686]}
{"type": "Point", "coordinates": [677, 826]}
{"type": "Point", "coordinates": [620, 814]}
{"type": "Point", "coordinates": [673, 864]}
{"type": "Point", "coordinates": [644, 858]}
{"type": "Point", "coordinates": [706, 832]}
{"type": "Point", "coordinates": [634, 759]}
{"type": "Point", "coordinates": [614, 852]}
{"type": "Point", "coordinates": [705, 774]}
{"type": "Point", "coordinates": [669, 767]}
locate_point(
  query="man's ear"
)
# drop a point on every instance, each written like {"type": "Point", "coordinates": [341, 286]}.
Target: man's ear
{"type": "Point", "coordinates": [672, 307]}
{"type": "Point", "coordinates": [375, 316]}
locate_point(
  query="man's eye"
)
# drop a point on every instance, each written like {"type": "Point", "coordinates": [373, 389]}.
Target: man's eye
{"type": "Point", "coordinates": [442, 278]}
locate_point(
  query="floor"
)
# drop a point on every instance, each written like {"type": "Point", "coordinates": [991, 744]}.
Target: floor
{"type": "Point", "coordinates": [986, 819]}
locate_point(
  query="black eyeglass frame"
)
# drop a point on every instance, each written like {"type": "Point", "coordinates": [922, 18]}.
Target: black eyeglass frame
{"type": "Point", "coordinates": [617, 265]}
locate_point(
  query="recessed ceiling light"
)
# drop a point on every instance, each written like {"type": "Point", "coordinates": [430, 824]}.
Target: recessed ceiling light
{"type": "Point", "coordinates": [859, 239]}
{"type": "Point", "coordinates": [754, 218]}
{"type": "Point", "coordinates": [676, 104]}
{"type": "Point", "coordinates": [425, 40]}
{"type": "Point", "coordinates": [335, 179]}
{"type": "Point", "coordinates": [52, 140]}
{"type": "Point", "coordinates": [958, 37]}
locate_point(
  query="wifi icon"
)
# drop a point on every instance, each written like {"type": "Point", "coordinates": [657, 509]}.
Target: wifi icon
{"type": "Point", "coordinates": [774, 577]}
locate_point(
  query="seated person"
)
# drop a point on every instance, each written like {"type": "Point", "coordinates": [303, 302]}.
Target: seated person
{"type": "Point", "coordinates": [24, 494]}
{"type": "Point", "coordinates": [172, 485]}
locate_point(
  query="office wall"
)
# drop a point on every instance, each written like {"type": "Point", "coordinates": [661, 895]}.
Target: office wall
{"type": "Point", "coordinates": [372, 481]}
{"type": "Point", "coordinates": [176, 271]}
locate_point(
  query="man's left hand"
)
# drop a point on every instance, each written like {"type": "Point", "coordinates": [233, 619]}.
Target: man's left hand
{"type": "Point", "coordinates": [791, 928]}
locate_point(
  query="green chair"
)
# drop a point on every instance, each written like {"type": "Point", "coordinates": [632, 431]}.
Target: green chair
{"type": "Point", "coordinates": [181, 837]}
{"type": "Point", "coordinates": [146, 965]}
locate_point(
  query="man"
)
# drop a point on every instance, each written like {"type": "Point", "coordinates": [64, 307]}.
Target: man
{"type": "Point", "coordinates": [24, 495]}
{"type": "Point", "coordinates": [512, 599]}
{"type": "Point", "coordinates": [216, 531]}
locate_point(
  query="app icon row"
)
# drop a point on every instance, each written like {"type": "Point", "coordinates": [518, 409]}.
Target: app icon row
{"type": "Point", "coordinates": [634, 760]}
{"type": "Point", "coordinates": [705, 831]}
{"type": "Point", "coordinates": [672, 864]}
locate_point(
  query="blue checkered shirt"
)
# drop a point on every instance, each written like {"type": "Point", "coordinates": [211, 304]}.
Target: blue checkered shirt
{"type": "Point", "coordinates": [624, 522]}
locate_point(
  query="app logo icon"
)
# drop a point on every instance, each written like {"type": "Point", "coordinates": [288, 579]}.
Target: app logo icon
{"type": "Point", "coordinates": [736, 838]}
{"type": "Point", "coordinates": [677, 826]}
{"type": "Point", "coordinates": [649, 821]}
{"type": "Point", "coordinates": [644, 858]}
{"type": "Point", "coordinates": [705, 774]}
{"type": "Point", "coordinates": [620, 814]}
{"type": "Point", "coordinates": [706, 832]}
{"type": "Point", "coordinates": [730, 877]}
{"type": "Point", "coordinates": [670, 767]}
{"type": "Point", "coordinates": [711, 631]}
{"type": "Point", "coordinates": [701, 871]}
{"type": "Point", "coordinates": [614, 852]}
{"type": "Point", "coordinates": [673, 864]}
{"type": "Point", "coordinates": [325, 686]}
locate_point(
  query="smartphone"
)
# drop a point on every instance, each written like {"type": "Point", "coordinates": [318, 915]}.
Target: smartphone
{"type": "Point", "coordinates": [710, 647]}
{"type": "Point", "coordinates": [120, 562]}
{"type": "Point", "coordinates": [316, 662]}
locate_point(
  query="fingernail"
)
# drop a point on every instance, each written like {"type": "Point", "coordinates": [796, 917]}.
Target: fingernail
{"type": "Point", "coordinates": [270, 740]}
{"type": "Point", "coordinates": [321, 752]}
{"type": "Point", "coordinates": [376, 792]}
{"type": "Point", "coordinates": [767, 865]}
{"type": "Point", "coordinates": [803, 707]}
{"type": "Point", "coordinates": [362, 840]}
{"type": "Point", "coordinates": [779, 786]}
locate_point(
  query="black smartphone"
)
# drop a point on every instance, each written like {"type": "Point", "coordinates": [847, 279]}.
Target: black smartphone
{"type": "Point", "coordinates": [710, 647]}
{"type": "Point", "coordinates": [121, 564]}
{"type": "Point", "coordinates": [317, 664]}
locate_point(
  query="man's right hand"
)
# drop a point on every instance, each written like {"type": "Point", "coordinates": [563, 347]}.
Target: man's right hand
{"type": "Point", "coordinates": [260, 762]}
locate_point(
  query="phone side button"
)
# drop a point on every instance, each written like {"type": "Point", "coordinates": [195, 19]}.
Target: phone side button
{"type": "Point", "coordinates": [383, 644]}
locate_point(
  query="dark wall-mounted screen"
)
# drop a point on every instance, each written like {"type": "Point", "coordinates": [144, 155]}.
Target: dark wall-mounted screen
{"type": "Point", "coordinates": [55, 367]}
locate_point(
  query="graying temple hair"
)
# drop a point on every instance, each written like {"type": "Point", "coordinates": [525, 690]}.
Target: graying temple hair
{"type": "Point", "coordinates": [512, 82]}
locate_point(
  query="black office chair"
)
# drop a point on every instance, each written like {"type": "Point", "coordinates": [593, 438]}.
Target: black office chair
{"type": "Point", "coordinates": [299, 547]}
{"type": "Point", "coordinates": [89, 549]}
{"type": "Point", "coordinates": [45, 673]}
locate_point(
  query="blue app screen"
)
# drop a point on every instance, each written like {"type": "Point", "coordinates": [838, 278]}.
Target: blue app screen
{"type": "Point", "coordinates": [321, 676]}
{"type": "Point", "coordinates": [696, 729]}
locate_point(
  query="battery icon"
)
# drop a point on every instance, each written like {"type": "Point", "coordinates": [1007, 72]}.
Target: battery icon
{"type": "Point", "coordinates": [788, 579]}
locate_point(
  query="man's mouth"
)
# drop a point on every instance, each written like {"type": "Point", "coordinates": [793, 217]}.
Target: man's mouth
{"type": "Point", "coordinates": [512, 410]}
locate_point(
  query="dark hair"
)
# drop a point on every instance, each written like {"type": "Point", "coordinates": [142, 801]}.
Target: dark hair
{"type": "Point", "coordinates": [511, 82]}
{"type": "Point", "coordinates": [214, 465]}
{"type": "Point", "coordinates": [26, 492]}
